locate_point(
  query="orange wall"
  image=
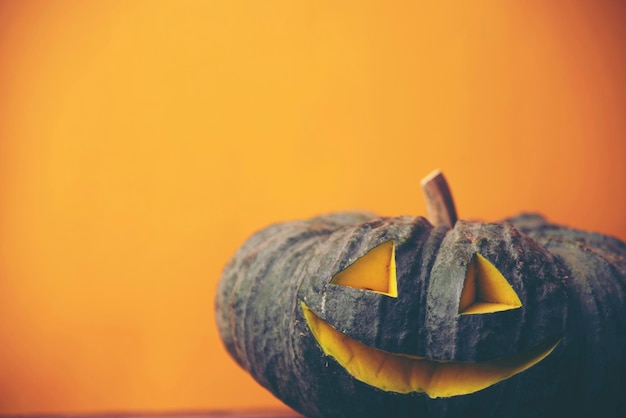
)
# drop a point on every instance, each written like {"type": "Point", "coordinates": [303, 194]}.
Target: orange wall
{"type": "Point", "coordinates": [141, 142]}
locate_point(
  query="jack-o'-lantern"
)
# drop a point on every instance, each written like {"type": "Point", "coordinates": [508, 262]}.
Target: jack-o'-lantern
{"type": "Point", "coordinates": [352, 315]}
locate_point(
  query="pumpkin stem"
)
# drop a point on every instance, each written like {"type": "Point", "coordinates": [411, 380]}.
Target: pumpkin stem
{"type": "Point", "coordinates": [439, 203]}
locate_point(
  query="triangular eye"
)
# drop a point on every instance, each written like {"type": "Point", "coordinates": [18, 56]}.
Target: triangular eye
{"type": "Point", "coordinates": [485, 289]}
{"type": "Point", "coordinates": [374, 271]}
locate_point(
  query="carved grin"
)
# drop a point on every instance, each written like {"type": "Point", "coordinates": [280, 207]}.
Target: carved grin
{"type": "Point", "coordinates": [404, 373]}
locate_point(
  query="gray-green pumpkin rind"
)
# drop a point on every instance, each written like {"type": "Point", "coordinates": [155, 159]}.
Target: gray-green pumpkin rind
{"type": "Point", "coordinates": [572, 285]}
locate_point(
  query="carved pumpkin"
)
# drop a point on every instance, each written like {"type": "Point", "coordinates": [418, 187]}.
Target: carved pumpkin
{"type": "Point", "coordinates": [352, 315]}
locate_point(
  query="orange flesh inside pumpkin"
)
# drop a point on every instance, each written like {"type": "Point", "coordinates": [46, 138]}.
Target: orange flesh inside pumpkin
{"type": "Point", "coordinates": [404, 374]}
{"type": "Point", "coordinates": [485, 289]}
{"type": "Point", "coordinates": [374, 271]}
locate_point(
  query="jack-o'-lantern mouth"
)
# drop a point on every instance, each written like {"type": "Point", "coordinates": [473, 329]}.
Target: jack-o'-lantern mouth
{"type": "Point", "coordinates": [405, 373]}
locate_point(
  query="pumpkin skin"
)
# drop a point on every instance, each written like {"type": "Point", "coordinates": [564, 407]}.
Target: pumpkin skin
{"type": "Point", "coordinates": [571, 284]}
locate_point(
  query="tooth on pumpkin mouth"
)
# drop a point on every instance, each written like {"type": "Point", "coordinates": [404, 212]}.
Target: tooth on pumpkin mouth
{"type": "Point", "coordinates": [404, 373]}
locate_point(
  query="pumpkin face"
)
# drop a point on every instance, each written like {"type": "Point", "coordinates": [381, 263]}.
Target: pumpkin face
{"type": "Point", "coordinates": [412, 349]}
{"type": "Point", "coordinates": [353, 315]}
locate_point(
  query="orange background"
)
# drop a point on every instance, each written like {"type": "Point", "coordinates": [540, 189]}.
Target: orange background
{"type": "Point", "coordinates": [141, 142]}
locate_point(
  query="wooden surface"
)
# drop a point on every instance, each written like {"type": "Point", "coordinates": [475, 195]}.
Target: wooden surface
{"type": "Point", "coordinates": [241, 413]}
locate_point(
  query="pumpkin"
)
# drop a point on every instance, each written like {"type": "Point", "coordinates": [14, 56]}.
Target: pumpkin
{"type": "Point", "coordinates": [353, 315]}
